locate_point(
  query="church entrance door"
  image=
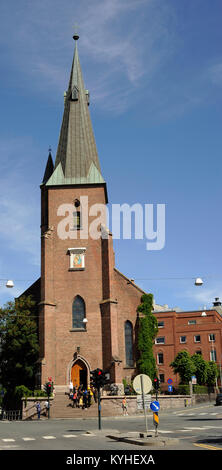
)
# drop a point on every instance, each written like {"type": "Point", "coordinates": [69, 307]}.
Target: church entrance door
{"type": "Point", "coordinates": [79, 374]}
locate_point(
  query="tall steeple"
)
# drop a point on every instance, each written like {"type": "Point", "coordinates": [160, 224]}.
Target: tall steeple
{"type": "Point", "coordinates": [77, 160]}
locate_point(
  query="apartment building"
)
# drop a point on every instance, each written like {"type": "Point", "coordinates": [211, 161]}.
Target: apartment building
{"type": "Point", "coordinates": [198, 331]}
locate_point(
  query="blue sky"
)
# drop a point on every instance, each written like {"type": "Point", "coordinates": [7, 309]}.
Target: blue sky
{"type": "Point", "coordinates": [154, 71]}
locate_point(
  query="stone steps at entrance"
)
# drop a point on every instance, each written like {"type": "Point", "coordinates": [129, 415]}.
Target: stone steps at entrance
{"type": "Point", "coordinates": [61, 407]}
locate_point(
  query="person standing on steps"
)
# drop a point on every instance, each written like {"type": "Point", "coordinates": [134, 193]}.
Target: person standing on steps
{"type": "Point", "coordinates": [74, 398]}
{"type": "Point", "coordinates": [90, 395]}
{"type": "Point", "coordinates": [85, 398]}
{"type": "Point", "coordinates": [38, 409]}
{"type": "Point", "coordinates": [70, 387]}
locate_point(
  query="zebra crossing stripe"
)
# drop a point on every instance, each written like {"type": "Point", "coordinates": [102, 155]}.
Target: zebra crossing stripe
{"type": "Point", "coordinates": [67, 436]}
{"type": "Point", "coordinates": [165, 432]}
{"type": "Point", "coordinates": [28, 438]}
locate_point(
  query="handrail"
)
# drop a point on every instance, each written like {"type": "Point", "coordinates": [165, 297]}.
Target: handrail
{"type": "Point", "coordinates": [11, 415]}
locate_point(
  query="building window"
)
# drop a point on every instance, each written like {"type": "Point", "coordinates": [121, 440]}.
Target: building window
{"type": "Point", "coordinates": [77, 222]}
{"type": "Point", "coordinates": [197, 338]}
{"type": "Point", "coordinates": [160, 340]}
{"type": "Point", "coordinates": [78, 313]}
{"type": "Point", "coordinates": [160, 324]}
{"type": "Point", "coordinates": [192, 322]}
{"type": "Point", "coordinates": [162, 378]}
{"type": "Point", "coordinates": [212, 337]}
{"type": "Point", "coordinates": [199, 352]}
{"type": "Point", "coordinates": [129, 344]}
{"type": "Point", "coordinates": [75, 93]}
{"type": "Point", "coordinates": [213, 355]}
{"type": "Point", "coordinates": [183, 339]}
{"type": "Point", "coordinates": [160, 358]}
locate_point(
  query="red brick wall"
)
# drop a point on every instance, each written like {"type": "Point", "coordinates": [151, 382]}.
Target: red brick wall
{"type": "Point", "coordinates": [176, 325]}
{"type": "Point", "coordinates": [109, 299]}
{"type": "Point", "coordinates": [60, 286]}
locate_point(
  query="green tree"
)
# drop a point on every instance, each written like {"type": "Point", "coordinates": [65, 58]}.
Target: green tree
{"type": "Point", "coordinates": [201, 369]}
{"type": "Point", "coordinates": [184, 366]}
{"type": "Point", "coordinates": [19, 345]}
{"type": "Point", "coordinates": [148, 328]}
{"type": "Point", "coordinates": [212, 373]}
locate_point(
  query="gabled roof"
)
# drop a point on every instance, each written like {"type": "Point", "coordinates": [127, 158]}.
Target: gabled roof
{"type": "Point", "coordinates": [129, 281]}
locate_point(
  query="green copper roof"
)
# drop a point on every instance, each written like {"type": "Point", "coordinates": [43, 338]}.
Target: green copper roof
{"type": "Point", "coordinates": [58, 178]}
{"type": "Point", "coordinates": [77, 160]}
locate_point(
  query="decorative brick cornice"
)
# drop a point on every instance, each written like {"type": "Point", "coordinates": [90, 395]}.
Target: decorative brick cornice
{"type": "Point", "coordinates": [46, 302]}
{"type": "Point", "coordinates": [111, 301]}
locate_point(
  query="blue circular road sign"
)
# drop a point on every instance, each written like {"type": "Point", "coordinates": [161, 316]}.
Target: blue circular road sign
{"type": "Point", "coordinates": [169, 381]}
{"type": "Point", "coordinates": [154, 406]}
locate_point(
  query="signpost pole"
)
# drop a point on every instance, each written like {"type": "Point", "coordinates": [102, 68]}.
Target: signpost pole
{"type": "Point", "coordinates": [144, 405]}
{"type": "Point", "coordinates": [142, 384]}
{"type": "Point", "coordinates": [156, 422]}
{"type": "Point", "coordinates": [99, 408]}
{"type": "Point", "coordinates": [155, 406]}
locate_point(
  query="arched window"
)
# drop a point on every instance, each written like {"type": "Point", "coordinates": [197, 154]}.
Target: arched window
{"type": "Point", "coordinates": [78, 313]}
{"type": "Point", "coordinates": [75, 93]}
{"type": "Point", "coordinates": [77, 215]}
{"type": "Point", "coordinates": [129, 344]}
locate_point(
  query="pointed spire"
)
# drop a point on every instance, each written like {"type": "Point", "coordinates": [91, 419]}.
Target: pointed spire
{"type": "Point", "coordinates": [76, 152]}
{"type": "Point", "coordinates": [49, 168]}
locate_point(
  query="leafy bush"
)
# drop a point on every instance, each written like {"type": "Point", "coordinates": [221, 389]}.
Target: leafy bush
{"type": "Point", "coordinates": [148, 329]}
{"type": "Point", "coordinates": [39, 393]}
{"type": "Point", "coordinates": [200, 389]}
{"type": "Point", "coordinates": [183, 390]}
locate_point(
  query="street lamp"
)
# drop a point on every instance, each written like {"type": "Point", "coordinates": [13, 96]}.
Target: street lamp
{"type": "Point", "coordinates": [198, 281]}
{"type": "Point", "coordinates": [9, 284]}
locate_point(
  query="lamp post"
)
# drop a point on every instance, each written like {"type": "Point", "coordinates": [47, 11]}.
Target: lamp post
{"type": "Point", "coordinates": [198, 281]}
{"type": "Point", "coordinates": [9, 284]}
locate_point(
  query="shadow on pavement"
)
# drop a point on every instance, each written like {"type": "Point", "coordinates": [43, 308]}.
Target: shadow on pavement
{"type": "Point", "coordinates": [204, 419]}
{"type": "Point", "coordinates": [75, 430]}
{"type": "Point", "coordinates": [210, 440]}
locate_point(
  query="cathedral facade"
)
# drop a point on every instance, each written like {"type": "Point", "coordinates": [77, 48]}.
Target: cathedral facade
{"type": "Point", "coordinates": [87, 307]}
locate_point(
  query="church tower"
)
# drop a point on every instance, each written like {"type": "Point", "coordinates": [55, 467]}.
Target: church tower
{"type": "Point", "coordinates": [87, 311]}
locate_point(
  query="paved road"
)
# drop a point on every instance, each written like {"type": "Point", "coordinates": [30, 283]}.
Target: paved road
{"type": "Point", "coordinates": [198, 428]}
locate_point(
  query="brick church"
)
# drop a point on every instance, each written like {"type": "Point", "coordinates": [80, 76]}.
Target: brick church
{"type": "Point", "coordinates": [87, 307]}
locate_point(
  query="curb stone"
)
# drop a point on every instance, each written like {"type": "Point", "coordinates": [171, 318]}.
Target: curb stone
{"type": "Point", "coordinates": [142, 440]}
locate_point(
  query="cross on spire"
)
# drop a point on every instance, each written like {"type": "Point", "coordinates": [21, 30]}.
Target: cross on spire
{"type": "Point", "coordinates": [76, 36]}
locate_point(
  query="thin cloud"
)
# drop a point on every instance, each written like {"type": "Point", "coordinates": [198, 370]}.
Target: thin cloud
{"type": "Point", "coordinates": [18, 206]}
{"type": "Point", "coordinates": [214, 73]}
{"type": "Point", "coordinates": [204, 296]}
{"type": "Point", "coordinates": [128, 40]}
